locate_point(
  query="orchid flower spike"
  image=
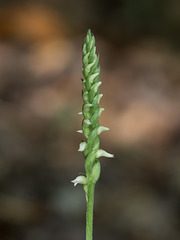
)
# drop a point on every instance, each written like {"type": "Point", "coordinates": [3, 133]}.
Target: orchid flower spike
{"type": "Point", "coordinates": [90, 147]}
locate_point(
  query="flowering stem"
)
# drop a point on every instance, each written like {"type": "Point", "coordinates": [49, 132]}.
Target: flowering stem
{"type": "Point", "coordinates": [90, 127]}
{"type": "Point", "coordinates": [89, 212]}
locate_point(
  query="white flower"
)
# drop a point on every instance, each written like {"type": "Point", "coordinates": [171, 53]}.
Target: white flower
{"type": "Point", "coordinates": [102, 153]}
{"type": "Point", "coordinates": [79, 131]}
{"type": "Point", "coordinates": [82, 146]}
{"type": "Point", "coordinates": [80, 180]}
{"type": "Point", "coordinates": [102, 129]}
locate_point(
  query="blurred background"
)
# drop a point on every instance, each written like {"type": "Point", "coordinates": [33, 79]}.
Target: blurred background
{"type": "Point", "coordinates": [138, 194]}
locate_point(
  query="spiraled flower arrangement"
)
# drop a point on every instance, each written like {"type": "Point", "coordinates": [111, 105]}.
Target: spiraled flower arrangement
{"type": "Point", "coordinates": [90, 127]}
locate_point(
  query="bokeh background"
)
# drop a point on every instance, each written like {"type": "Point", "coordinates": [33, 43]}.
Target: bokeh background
{"type": "Point", "coordinates": [138, 194]}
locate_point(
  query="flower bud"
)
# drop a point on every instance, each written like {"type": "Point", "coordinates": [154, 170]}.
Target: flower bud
{"type": "Point", "coordinates": [86, 122]}
{"type": "Point", "coordinates": [96, 169]}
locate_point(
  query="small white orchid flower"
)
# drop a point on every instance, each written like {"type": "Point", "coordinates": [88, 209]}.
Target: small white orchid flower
{"type": "Point", "coordinates": [102, 129]}
{"type": "Point", "coordinates": [102, 153]}
{"type": "Point", "coordinates": [80, 180]}
{"type": "Point", "coordinates": [82, 146]}
{"type": "Point", "coordinates": [79, 131]}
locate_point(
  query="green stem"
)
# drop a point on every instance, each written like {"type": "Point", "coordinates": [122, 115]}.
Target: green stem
{"type": "Point", "coordinates": [89, 212]}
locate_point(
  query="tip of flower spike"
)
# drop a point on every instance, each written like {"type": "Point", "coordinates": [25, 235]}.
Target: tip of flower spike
{"type": "Point", "coordinates": [92, 41]}
{"type": "Point", "coordinates": [89, 32]}
{"type": "Point", "coordinates": [82, 146]}
{"type": "Point", "coordinates": [102, 153]}
{"type": "Point", "coordinates": [88, 36]}
{"type": "Point", "coordinates": [79, 131]}
{"type": "Point", "coordinates": [79, 180]}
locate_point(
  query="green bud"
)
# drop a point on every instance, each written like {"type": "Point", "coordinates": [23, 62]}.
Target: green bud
{"type": "Point", "coordinates": [96, 169]}
{"type": "Point", "coordinates": [82, 146]}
